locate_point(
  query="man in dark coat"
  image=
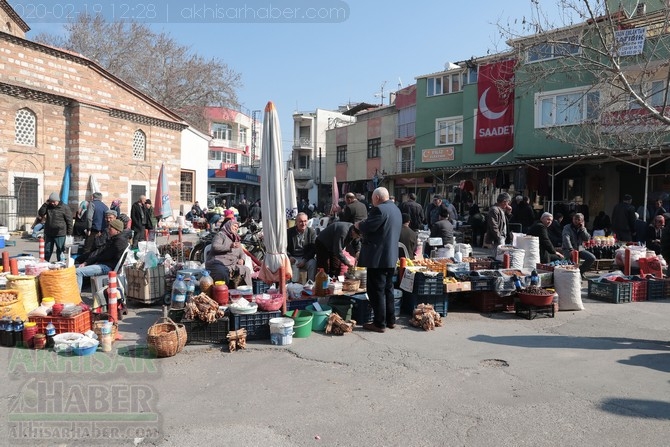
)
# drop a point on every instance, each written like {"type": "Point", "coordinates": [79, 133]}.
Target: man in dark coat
{"type": "Point", "coordinates": [408, 237]}
{"type": "Point", "coordinates": [548, 252]}
{"type": "Point", "coordinates": [623, 219]}
{"type": "Point", "coordinates": [379, 254]}
{"type": "Point", "coordinates": [443, 228]}
{"type": "Point", "coordinates": [415, 211]}
{"type": "Point", "coordinates": [354, 211]}
{"type": "Point", "coordinates": [243, 211]}
{"type": "Point", "coordinates": [255, 211]}
{"type": "Point", "coordinates": [138, 215]}
{"type": "Point", "coordinates": [301, 248]}
{"type": "Point", "coordinates": [331, 243]}
{"type": "Point", "coordinates": [654, 234]}
{"type": "Point", "coordinates": [106, 259]}
{"type": "Point", "coordinates": [555, 230]}
{"type": "Point", "coordinates": [95, 220]}
{"type": "Point", "coordinates": [57, 224]}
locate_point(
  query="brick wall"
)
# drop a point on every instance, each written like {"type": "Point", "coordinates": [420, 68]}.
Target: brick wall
{"type": "Point", "coordinates": [81, 120]}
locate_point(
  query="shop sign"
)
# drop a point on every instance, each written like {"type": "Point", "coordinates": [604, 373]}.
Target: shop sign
{"type": "Point", "coordinates": [437, 154]}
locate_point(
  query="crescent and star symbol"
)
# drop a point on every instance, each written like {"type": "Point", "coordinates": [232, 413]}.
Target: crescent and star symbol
{"type": "Point", "coordinates": [484, 109]}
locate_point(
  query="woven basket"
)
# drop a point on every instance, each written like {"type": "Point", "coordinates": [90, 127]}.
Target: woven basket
{"type": "Point", "coordinates": [97, 328]}
{"type": "Point", "coordinates": [351, 285]}
{"type": "Point", "coordinates": [166, 338]}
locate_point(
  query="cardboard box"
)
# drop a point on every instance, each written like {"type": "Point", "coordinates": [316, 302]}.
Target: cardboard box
{"type": "Point", "coordinates": [146, 285]}
{"type": "Point", "coordinates": [463, 286]}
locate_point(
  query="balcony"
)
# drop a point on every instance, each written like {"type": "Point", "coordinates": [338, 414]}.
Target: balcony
{"type": "Point", "coordinates": [302, 143]}
{"type": "Point", "coordinates": [229, 144]}
{"type": "Point", "coordinates": [302, 173]}
{"type": "Point", "coordinates": [404, 166]}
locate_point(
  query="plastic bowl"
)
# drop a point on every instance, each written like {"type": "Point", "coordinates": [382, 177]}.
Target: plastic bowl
{"type": "Point", "coordinates": [89, 349]}
{"type": "Point", "coordinates": [531, 299]}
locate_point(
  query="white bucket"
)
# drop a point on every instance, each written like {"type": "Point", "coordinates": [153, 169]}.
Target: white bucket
{"type": "Point", "coordinates": [281, 331]}
{"type": "Point", "coordinates": [181, 221]}
{"type": "Point", "coordinates": [4, 230]}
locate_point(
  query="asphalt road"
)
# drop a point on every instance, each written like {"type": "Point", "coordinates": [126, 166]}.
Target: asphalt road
{"type": "Point", "coordinates": [598, 377]}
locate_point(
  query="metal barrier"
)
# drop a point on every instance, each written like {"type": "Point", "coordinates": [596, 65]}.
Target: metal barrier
{"type": "Point", "coordinates": [8, 212]}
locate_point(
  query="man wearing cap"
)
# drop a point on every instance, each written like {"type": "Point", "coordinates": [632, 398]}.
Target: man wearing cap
{"type": "Point", "coordinates": [623, 219]}
{"type": "Point", "coordinates": [95, 220]}
{"type": "Point", "coordinates": [105, 259]}
{"type": "Point", "coordinates": [57, 224]}
{"type": "Point", "coordinates": [138, 216]}
{"type": "Point", "coordinates": [101, 239]}
{"type": "Point", "coordinates": [408, 237]}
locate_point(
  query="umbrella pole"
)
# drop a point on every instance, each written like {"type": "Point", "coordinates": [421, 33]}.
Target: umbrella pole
{"type": "Point", "coordinates": [282, 287]}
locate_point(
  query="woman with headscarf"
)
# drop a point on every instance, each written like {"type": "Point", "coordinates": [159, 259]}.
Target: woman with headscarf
{"type": "Point", "coordinates": [227, 255]}
{"type": "Point", "coordinates": [79, 228]}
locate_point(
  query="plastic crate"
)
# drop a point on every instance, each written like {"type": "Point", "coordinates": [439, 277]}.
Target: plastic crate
{"type": "Point", "coordinates": [299, 304]}
{"type": "Point", "coordinates": [610, 291]}
{"type": "Point", "coordinates": [257, 325]}
{"type": "Point", "coordinates": [258, 286]}
{"type": "Point", "coordinates": [657, 289]}
{"type": "Point", "coordinates": [481, 264]}
{"type": "Point", "coordinates": [201, 332]}
{"type": "Point", "coordinates": [482, 283]}
{"type": "Point", "coordinates": [411, 300]}
{"type": "Point", "coordinates": [638, 291]}
{"type": "Point", "coordinates": [80, 323]}
{"type": "Point", "coordinates": [428, 285]}
{"type": "Point", "coordinates": [486, 301]}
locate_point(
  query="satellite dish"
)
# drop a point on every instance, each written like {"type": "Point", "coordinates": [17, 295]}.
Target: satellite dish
{"type": "Point", "coordinates": [451, 66]}
{"type": "Point", "coordinates": [629, 7]}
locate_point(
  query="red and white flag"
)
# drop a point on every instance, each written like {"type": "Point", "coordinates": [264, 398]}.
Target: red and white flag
{"type": "Point", "coordinates": [495, 115]}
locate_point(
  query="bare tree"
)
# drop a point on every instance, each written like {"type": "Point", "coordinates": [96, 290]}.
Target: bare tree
{"type": "Point", "coordinates": [154, 63]}
{"type": "Point", "coordinates": [593, 44]}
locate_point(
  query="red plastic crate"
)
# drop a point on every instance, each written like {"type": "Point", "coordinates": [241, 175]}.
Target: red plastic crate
{"type": "Point", "coordinates": [80, 323]}
{"type": "Point", "coordinates": [491, 302]}
{"type": "Point", "coordinates": [639, 290]}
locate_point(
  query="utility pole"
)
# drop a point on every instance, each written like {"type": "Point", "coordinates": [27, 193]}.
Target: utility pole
{"type": "Point", "coordinates": [318, 190]}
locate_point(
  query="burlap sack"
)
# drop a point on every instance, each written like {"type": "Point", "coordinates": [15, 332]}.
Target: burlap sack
{"type": "Point", "coordinates": [11, 305]}
{"type": "Point", "coordinates": [61, 284]}
{"type": "Point", "coordinates": [27, 287]}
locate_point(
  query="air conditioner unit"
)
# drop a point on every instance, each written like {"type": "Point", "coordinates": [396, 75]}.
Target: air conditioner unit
{"type": "Point", "coordinates": [641, 9]}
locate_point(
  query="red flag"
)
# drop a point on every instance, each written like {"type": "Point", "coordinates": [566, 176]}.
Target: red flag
{"type": "Point", "coordinates": [495, 115]}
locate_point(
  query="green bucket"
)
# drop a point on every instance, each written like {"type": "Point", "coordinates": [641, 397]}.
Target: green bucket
{"type": "Point", "coordinates": [303, 322]}
{"type": "Point", "coordinates": [320, 317]}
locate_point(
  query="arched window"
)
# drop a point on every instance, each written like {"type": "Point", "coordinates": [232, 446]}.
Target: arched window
{"type": "Point", "coordinates": [139, 145]}
{"type": "Point", "coordinates": [24, 127]}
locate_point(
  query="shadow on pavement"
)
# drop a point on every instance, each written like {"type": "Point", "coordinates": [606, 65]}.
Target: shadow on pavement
{"type": "Point", "coordinates": [658, 362]}
{"type": "Point", "coordinates": [569, 342]}
{"type": "Point", "coordinates": [637, 408]}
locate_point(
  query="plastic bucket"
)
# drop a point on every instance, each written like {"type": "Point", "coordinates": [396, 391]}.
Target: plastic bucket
{"type": "Point", "coordinates": [320, 319]}
{"type": "Point", "coordinates": [302, 326]}
{"type": "Point", "coordinates": [281, 331]}
{"type": "Point", "coordinates": [2, 242]}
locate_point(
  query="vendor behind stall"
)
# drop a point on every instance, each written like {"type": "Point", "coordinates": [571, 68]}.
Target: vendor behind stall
{"type": "Point", "coordinates": [539, 229]}
{"type": "Point", "coordinates": [331, 243]}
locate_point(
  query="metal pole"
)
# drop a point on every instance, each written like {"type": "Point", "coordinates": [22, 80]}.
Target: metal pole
{"type": "Point", "coordinates": [318, 191]}
{"type": "Point", "coordinates": [646, 189]}
{"type": "Point", "coordinates": [553, 175]}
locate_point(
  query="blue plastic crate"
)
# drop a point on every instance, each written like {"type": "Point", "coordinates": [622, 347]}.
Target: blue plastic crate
{"type": "Point", "coordinates": [201, 332]}
{"type": "Point", "coordinates": [299, 304]}
{"type": "Point", "coordinates": [257, 325]}
{"type": "Point", "coordinates": [482, 283]}
{"type": "Point", "coordinates": [411, 300]}
{"type": "Point", "coordinates": [610, 291]}
{"type": "Point", "coordinates": [258, 286]}
{"type": "Point", "coordinates": [658, 289]}
{"type": "Point", "coordinates": [428, 285]}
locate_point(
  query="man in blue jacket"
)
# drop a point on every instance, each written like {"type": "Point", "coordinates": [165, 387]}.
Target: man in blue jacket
{"type": "Point", "coordinates": [379, 253]}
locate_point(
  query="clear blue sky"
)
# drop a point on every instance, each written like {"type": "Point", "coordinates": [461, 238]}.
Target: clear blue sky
{"type": "Point", "coordinates": [302, 65]}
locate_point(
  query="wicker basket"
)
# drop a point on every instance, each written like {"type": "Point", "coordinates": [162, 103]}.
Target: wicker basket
{"type": "Point", "coordinates": [97, 328]}
{"type": "Point", "coordinates": [351, 285]}
{"type": "Point", "coordinates": [166, 338]}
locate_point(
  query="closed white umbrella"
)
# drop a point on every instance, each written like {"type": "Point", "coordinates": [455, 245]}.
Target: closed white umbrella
{"type": "Point", "coordinates": [291, 198]}
{"type": "Point", "coordinates": [275, 262]}
{"type": "Point", "coordinates": [92, 186]}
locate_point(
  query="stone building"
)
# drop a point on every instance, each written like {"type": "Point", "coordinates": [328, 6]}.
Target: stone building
{"type": "Point", "coordinates": [58, 108]}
